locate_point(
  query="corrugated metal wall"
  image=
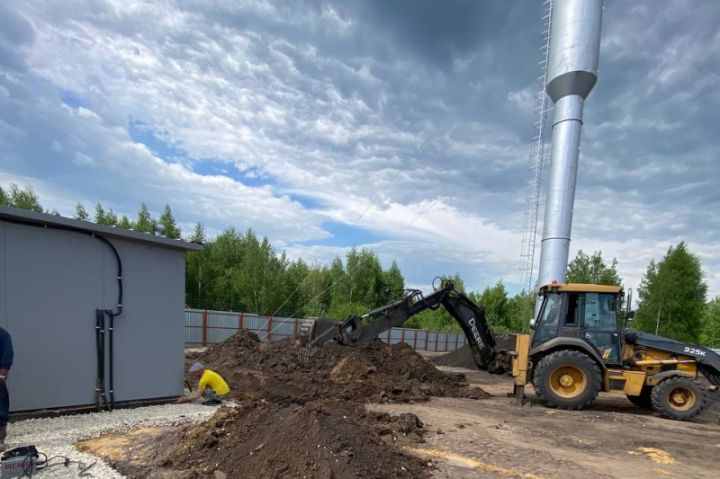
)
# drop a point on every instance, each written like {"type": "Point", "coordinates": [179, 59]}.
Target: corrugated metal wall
{"type": "Point", "coordinates": [52, 281]}
{"type": "Point", "coordinates": [203, 327]}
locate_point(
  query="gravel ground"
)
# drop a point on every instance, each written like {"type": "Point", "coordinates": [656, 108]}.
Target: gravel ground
{"type": "Point", "coordinates": [58, 435]}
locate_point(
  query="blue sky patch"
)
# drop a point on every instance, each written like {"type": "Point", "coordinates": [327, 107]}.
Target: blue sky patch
{"type": "Point", "coordinates": [347, 235]}
{"type": "Point", "coordinates": [72, 99]}
{"type": "Point", "coordinates": [142, 133]}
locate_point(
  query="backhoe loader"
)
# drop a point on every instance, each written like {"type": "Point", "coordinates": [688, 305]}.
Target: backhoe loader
{"type": "Point", "coordinates": [576, 349]}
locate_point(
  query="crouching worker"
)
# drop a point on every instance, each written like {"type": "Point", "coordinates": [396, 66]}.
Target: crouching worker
{"type": "Point", "coordinates": [211, 386]}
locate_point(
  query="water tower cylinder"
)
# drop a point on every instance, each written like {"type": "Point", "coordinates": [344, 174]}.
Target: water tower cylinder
{"type": "Point", "coordinates": [572, 73]}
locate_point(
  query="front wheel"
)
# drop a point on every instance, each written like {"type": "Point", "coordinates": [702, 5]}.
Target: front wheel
{"type": "Point", "coordinates": [679, 397]}
{"type": "Point", "coordinates": [567, 379]}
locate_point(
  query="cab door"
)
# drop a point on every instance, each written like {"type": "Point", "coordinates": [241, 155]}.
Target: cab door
{"type": "Point", "coordinates": [600, 325]}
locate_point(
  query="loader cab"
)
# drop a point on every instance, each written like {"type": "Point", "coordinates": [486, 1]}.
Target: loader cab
{"type": "Point", "coordinates": [584, 311]}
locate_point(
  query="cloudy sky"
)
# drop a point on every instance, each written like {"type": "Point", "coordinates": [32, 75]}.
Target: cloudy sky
{"type": "Point", "coordinates": [403, 126]}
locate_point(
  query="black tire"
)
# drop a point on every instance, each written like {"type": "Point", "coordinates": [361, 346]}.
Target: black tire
{"type": "Point", "coordinates": [551, 379]}
{"type": "Point", "coordinates": [644, 400]}
{"type": "Point", "coordinates": [711, 375]}
{"type": "Point", "coordinates": [679, 397]}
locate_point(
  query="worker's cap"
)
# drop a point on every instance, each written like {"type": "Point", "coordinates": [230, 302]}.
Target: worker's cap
{"type": "Point", "coordinates": [196, 367]}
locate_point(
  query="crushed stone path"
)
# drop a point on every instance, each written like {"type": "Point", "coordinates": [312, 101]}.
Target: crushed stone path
{"type": "Point", "coordinates": [57, 436]}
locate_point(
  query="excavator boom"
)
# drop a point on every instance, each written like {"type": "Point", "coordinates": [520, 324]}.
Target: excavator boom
{"type": "Point", "coordinates": [357, 330]}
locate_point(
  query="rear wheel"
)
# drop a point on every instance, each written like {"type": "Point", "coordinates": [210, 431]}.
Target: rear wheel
{"type": "Point", "coordinates": [567, 379]}
{"type": "Point", "coordinates": [679, 397]}
{"type": "Point", "coordinates": [643, 400]}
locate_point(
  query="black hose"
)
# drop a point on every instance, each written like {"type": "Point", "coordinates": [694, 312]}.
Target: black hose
{"type": "Point", "coordinates": [98, 384]}
{"type": "Point", "coordinates": [110, 312]}
{"type": "Point", "coordinates": [101, 354]}
{"type": "Point", "coordinates": [110, 339]}
{"type": "Point", "coordinates": [111, 317]}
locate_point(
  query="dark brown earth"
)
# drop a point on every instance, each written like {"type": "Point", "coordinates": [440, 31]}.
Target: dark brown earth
{"type": "Point", "coordinates": [462, 357]}
{"type": "Point", "coordinates": [277, 372]}
{"type": "Point", "coordinates": [327, 438]}
{"type": "Point", "coordinates": [303, 416]}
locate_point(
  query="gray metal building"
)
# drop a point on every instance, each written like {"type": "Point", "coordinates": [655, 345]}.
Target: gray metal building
{"type": "Point", "coordinates": [55, 275]}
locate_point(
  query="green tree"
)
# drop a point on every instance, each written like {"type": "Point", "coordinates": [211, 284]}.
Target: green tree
{"type": "Point", "coordinates": [105, 217]}
{"type": "Point", "coordinates": [592, 270]}
{"type": "Point", "coordinates": [198, 235]}
{"type": "Point", "coordinates": [393, 283]}
{"type": "Point", "coordinates": [494, 300]}
{"type": "Point", "coordinates": [167, 221]}
{"type": "Point", "coordinates": [710, 335]}
{"type": "Point", "coordinates": [672, 296]}
{"type": "Point", "coordinates": [193, 269]}
{"type": "Point", "coordinates": [125, 223]}
{"type": "Point", "coordinates": [145, 223]}
{"type": "Point", "coordinates": [520, 309]}
{"type": "Point", "coordinates": [4, 198]}
{"type": "Point", "coordinates": [364, 282]}
{"type": "Point", "coordinates": [24, 198]}
{"type": "Point", "coordinates": [314, 292]}
{"type": "Point", "coordinates": [81, 213]}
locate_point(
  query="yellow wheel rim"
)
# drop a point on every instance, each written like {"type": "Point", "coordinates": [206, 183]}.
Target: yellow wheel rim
{"type": "Point", "coordinates": [568, 382]}
{"type": "Point", "coordinates": [681, 399]}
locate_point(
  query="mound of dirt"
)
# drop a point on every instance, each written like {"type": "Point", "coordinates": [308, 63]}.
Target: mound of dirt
{"type": "Point", "coordinates": [462, 357]}
{"type": "Point", "coordinates": [276, 372]}
{"type": "Point", "coordinates": [304, 416]}
{"type": "Point", "coordinates": [326, 438]}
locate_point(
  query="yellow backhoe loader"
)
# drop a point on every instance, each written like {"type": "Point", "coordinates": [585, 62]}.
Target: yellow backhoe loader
{"type": "Point", "coordinates": [576, 349]}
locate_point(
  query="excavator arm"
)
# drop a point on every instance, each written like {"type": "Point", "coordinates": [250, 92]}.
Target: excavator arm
{"type": "Point", "coordinates": [357, 330]}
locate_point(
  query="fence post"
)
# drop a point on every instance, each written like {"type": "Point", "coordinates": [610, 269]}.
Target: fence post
{"type": "Point", "coordinates": [402, 335]}
{"type": "Point", "coordinates": [295, 329]}
{"type": "Point", "coordinates": [241, 321]}
{"type": "Point", "coordinates": [389, 338]}
{"type": "Point", "coordinates": [269, 328]}
{"type": "Point", "coordinates": [457, 340]}
{"type": "Point", "coordinates": [415, 339]}
{"type": "Point", "coordinates": [447, 338]}
{"type": "Point", "coordinates": [205, 328]}
{"type": "Point", "coordinates": [437, 339]}
{"type": "Point", "coordinates": [427, 339]}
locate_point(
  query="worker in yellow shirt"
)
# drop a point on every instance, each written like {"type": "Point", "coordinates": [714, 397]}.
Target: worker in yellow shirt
{"type": "Point", "coordinates": [211, 386]}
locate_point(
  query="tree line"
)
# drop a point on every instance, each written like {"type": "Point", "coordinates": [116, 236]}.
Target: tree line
{"type": "Point", "coordinates": [239, 271]}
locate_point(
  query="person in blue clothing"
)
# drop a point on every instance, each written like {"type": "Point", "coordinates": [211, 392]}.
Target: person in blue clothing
{"type": "Point", "coordinates": [6, 360]}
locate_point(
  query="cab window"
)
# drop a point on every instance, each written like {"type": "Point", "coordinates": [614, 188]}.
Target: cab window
{"type": "Point", "coordinates": [574, 309]}
{"type": "Point", "coordinates": [549, 319]}
{"type": "Point", "coordinates": [600, 312]}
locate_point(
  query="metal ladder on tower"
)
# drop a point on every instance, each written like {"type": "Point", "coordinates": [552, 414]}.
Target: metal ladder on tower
{"type": "Point", "coordinates": [537, 160]}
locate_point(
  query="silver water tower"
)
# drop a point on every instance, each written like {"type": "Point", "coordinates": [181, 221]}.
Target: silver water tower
{"type": "Point", "coordinates": [572, 73]}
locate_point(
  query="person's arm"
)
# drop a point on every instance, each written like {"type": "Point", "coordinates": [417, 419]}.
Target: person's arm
{"type": "Point", "coordinates": [7, 354]}
{"type": "Point", "coordinates": [191, 397]}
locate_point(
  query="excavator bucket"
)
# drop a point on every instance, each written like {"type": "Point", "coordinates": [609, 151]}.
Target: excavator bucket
{"type": "Point", "coordinates": [322, 331]}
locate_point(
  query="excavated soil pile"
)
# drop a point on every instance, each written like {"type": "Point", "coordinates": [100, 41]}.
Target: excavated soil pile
{"type": "Point", "coordinates": [276, 372]}
{"type": "Point", "coordinates": [462, 358]}
{"type": "Point", "coordinates": [304, 416]}
{"type": "Point", "coordinates": [327, 438]}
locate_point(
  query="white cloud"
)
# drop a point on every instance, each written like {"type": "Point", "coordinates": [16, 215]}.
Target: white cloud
{"type": "Point", "coordinates": [322, 104]}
